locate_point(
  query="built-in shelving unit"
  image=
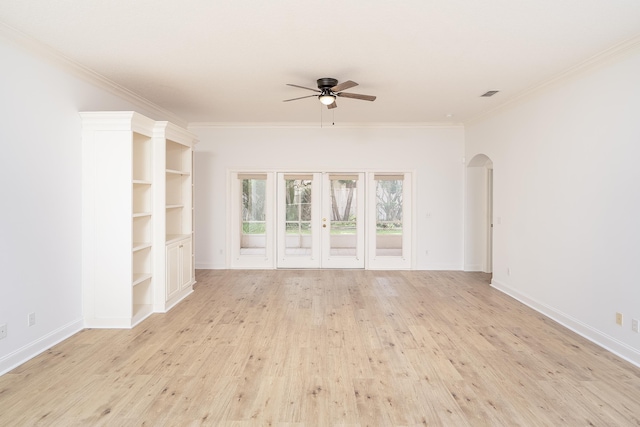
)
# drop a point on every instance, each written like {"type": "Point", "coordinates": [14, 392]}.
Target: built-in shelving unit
{"type": "Point", "coordinates": [142, 228]}
{"type": "Point", "coordinates": [137, 201]}
{"type": "Point", "coordinates": [193, 217]}
{"type": "Point", "coordinates": [176, 196]}
{"type": "Point", "coordinates": [118, 218]}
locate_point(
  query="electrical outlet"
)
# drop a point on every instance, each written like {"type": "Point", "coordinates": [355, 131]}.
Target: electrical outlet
{"type": "Point", "coordinates": [619, 319]}
{"type": "Point", "coordinates": [634, 325]}
{"type": "Point", "coordinates": [32, 319]}
{"type": "Point", "coordinates": [508, 272]}
{"type": "Point", "coordinates": [3, 331]}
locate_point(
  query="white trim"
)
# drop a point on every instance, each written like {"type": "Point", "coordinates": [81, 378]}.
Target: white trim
{"type": "Point", "coordinates": [357, 261]}
{"type": "Point", "coordinates": [407, 260]}
{"type": "Point", "coordinates": [605, 341]}
{"type": "Point", "coordinates": [229, 184]}
{"type": "Point", "coordinates": [440, 267]}
{"type": "Point", "coordinates": [314, 259]}
{"type": "Point", "coordinates": [594, 61]}
{"type": "Point", "coordinates": [207, 266]}
{"type": "Point", "coordinates": [315, 125]}
{"type": "Point", "coordinates": [170, 131]}
{"type": "Point", "coordinates": [42, 344]}
{"type": "Point", "coordinates": [182, 294]}
{"type": "Point", "coordinates": [117, 121]}
{"type": "Point", "coordinates": [56, 58]}
{"type": "Point", "coordinates": [234, 222]}
{"type": "Point", "coordinates": [474, 267]}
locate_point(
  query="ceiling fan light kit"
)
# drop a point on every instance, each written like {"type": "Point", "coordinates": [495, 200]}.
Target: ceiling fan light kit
{"type": "Point", "coordinates": [327, 98]}
{"type": "Point", "coordinates": [329, 90]}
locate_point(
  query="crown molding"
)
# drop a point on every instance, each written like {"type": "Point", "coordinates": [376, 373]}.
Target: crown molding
{"type": "Point", "coordinates": [117, 120]}
{"type": "Point", "coordinates": [315, 125]}
{"type": "Point", "coordinates": [170, 131]}
{"type": "Point", "coordinates": [590, 63]}
{"type": "Point", "coordinates": [56, 58]}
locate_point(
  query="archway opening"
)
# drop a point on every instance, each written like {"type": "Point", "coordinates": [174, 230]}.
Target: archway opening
{"type": "Point", "coordinates": [479, 214]}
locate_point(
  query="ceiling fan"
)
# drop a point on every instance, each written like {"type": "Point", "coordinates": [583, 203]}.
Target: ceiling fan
{"type": "Point", "coordinates": [329, 89]}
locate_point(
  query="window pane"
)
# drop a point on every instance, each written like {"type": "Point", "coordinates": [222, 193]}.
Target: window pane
{"type": "Point", "coordinates": [389, 217]}
{"type": "Point", "coordinates": [343, 239]}
{"type": "Point", "coordinates": [253, 233]}
{"type": "Point", "coordinates": [293, 212]}
{"type": "Point", "coordinates": [298, 212]}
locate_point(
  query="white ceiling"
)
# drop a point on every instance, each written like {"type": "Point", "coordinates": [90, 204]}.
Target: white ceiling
{"type": "Point", "coordinates": [228, 61]}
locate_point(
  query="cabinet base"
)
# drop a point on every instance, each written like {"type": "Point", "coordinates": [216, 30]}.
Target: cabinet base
{"type": "Point", "coordinates": [179, 296]}
{"type": "Point", "coordinates": [140, 312]}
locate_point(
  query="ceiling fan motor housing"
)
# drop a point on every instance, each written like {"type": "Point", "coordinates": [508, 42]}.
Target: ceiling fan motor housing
{"type": "Point", "coordinates": [327, 83]}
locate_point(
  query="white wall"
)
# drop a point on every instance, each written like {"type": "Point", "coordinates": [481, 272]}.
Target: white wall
{"type": "Point", "coordinates": [567, 191]}
{"type": "Point", "coordinates": [40, 171]}
{"type": "Point", "coordinates": [434, 154]}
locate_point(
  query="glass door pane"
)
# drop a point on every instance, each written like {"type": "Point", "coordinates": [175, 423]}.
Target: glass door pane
{"type": "Point", "coordinates": [253, 233]}
{"type": "Point", "coordinates": [252, 220]}
{"type": "Point", "coordinates": [343, 221]}
{"type": "Point", "coordinates": [298, 211]}
{"type": "Point", "coordinates": [389, 227]}
{"type": "Point", "coordinates": [298, 208]}
{"type": "Point", "coordinates": [389, 191]}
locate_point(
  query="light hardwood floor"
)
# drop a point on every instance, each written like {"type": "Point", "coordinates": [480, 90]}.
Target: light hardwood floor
{"type": "Point", "coordinates": [316, 348]}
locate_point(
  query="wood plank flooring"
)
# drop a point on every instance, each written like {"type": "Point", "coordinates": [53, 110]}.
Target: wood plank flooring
{"type": "Point", "coordinates": [323, 348]}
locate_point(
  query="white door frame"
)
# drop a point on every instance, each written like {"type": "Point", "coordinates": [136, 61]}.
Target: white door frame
{"type": "Point", "coordinates": [384, 262]}
{"type": "Point", "coordinates": [234, 234]}
{"type": "Point", "coordinates": [336, 261]}
{"type": "Point", "coordinates": [489, 255]}
{"type": "Point", "coordinates": [319, 257]}
{"type": "Point", "coordinates": [313, 259]}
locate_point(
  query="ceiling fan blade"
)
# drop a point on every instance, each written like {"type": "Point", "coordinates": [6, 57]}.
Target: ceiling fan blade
{"type": "Point", "coordinates": [357, 96]}
{"type": "Point", "coordinates": [343, 86]}
{"type": "Point", "coordinates": [302, 87]}
{"type": "Point", "coordinates": [333, 105]}
{"type": "Point", "coordinates": [302, 97]}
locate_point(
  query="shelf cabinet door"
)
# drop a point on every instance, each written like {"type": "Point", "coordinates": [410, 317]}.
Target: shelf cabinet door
{"type": "Point", "coordinates": [179, 270]}
{"type": "Point", "coordinates": [173, 269]}
{"type": "Point", "coordinates": [185, 257]}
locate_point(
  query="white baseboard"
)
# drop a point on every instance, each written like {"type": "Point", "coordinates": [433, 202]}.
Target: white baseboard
{"type": "Point", "coordinates": [438, 267]}
{"type": "Point", "coordinates": [210, 267]}
{"type": "Point", "coordinates": [597, 337]}
{"type": "Point", "coordinates": [474, 267]}
{"type": "Point", "coordinates": [182, 295]}
{"type": "Point", "coordinates": [31, 350]}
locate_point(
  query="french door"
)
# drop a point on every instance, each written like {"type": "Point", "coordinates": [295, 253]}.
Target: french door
{"type": "Point", "coordinates": [320, 220]}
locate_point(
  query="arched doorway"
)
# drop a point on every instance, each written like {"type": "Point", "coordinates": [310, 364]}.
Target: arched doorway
{"type": "Point", "coordinates": [479, 214]}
